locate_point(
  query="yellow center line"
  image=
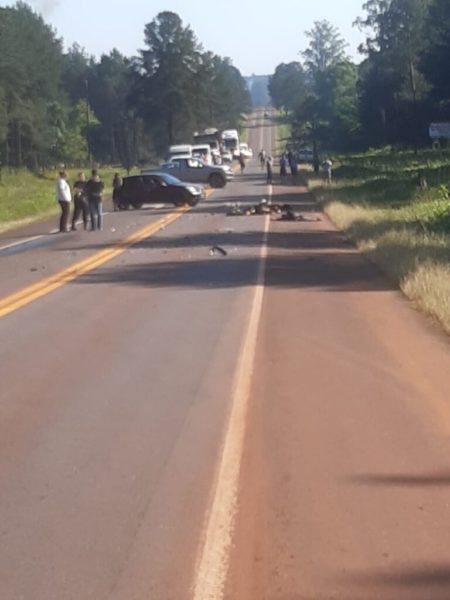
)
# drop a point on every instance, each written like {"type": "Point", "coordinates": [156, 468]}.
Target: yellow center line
{"type": "Point", "coordinates": [32, 292]}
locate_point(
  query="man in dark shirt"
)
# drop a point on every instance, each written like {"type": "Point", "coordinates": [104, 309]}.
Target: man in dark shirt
{"type": "Point", "coordinates": [80, 202]}
{"type": "Point", "coordinates": [117, 184]}
{"type": "Point", "coordinates": [94, 192]}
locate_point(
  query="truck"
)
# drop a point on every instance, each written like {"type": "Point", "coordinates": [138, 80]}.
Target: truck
{"type": "Point", "coordinates": [213, 138]}
{"type": "Point", "coordinates": [230, 138]}
{"type": "Point", "coordinates": [180, 150]}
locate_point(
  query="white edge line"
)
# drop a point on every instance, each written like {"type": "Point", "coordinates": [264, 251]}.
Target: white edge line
{"type": "Point", "coordinates": [215, 553]}
{"type": "Point", "coordinates": [22, 242]}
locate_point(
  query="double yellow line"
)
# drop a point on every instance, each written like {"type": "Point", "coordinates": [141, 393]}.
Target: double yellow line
{"type": "Point", "coordinates": [28, 294]}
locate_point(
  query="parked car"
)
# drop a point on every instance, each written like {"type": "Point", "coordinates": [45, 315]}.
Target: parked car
{"type": "Point", "coordinates": [157, 188]}
{"type": "Point", "coordinates": [197, 171]}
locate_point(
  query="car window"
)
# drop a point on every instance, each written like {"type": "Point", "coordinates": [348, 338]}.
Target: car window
{"type": "Point", "coordinates": [150, 182]}
{"type": "Point", "coordinates": [194, 164]}
{"type": "Point", "coordinates": [169, 179]}
{"type": "Point", "coordinates": [132, 182]}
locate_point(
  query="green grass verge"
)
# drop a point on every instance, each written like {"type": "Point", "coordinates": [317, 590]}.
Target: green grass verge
{"type": "Point", "coordinates": [25, 197]}
{"type": "Point", "coordinates": [380, 199]}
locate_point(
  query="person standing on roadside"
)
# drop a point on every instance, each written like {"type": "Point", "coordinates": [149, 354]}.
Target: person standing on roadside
{"type": "Point", "coordinates": [327, 166]}
{"type": "Point", "coordinates": [116, 185]}
{"type": "Point", "coordinates": [293, 164]}
{"type": "Point", "coordinates": [94, 192]}
{"type": "Point", "coordinates": [262, 158]}
{"type": "Point", "coordinates": [290, 157]}
{"type": "Point", "coordinates": [242, 162]}
{"type": "Point", "coordinates": [64, 198]}
{"type": "Point", "coordinates": [269, 169]}
{"type": "Point", "coordinates": [80, 202]}
{"type": "Point", "coordinates": [283, 166]}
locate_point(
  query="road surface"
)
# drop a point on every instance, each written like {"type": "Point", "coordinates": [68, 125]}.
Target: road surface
{"type": "Point", "coordinates": [273, 424]}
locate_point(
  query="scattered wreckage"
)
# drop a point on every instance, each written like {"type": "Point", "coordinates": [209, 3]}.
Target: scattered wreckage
{"type": "Point", "coordinates": [285, 211]}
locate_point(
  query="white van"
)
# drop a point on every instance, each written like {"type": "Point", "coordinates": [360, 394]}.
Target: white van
{"type": "Point", "coordinates": [230, 138]}
{"type": "Point", "coordinates": [204, 152]}
{"type": "Point", "coordinates": [180, 150]}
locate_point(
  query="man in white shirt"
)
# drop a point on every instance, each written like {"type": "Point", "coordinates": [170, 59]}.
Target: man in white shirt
{"type": "Point", "coordinates": [64, 197]}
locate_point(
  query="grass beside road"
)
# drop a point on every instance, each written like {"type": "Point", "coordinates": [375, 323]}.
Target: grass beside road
{"type": "Point", "coordinates": [26, 197]}
{"type": "Point", "coordinates": [396, 207]}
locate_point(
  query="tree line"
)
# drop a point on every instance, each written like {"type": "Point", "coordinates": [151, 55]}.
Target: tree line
{"type": "Point", "coordinates": [390, 98]}
{"type": "Point", "coordinates": [66, 106]}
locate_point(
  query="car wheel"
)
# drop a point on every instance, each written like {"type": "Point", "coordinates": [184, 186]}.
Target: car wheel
{"type": "Point", "coordinates": [217, 181]}
{"type": "Point", "coordinates": [138, 205]}
{"type": "Point", "coordinates": [193, 201]}
{"type": "Point", "coordinates": [124, 206]}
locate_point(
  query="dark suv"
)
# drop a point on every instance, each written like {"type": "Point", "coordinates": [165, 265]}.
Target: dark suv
{"type": "Point", "coordinates": [157, 188]}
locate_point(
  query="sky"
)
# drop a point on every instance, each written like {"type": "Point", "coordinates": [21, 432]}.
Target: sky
{"type": "Point", "coordinates": [256, 35]}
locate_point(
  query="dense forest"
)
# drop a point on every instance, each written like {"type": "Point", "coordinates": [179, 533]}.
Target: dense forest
{"type": "Point", "coordinates": [390, 98]}
{"type": "Point", "coordinates": [66, 106]}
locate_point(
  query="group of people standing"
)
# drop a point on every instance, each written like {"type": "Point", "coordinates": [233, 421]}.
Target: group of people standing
{"type": "Point", "coordinates": [288, 159]}
{"type": "Point", "coordinates": [87, 199]}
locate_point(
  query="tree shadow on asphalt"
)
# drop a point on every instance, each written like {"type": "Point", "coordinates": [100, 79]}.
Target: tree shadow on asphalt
{"type": "Point", "coordinates": [306, 258]}
{"type": "Point", "coordinates": [251, 237]}
{"type": "Point", "coordinates": [436, 479]}
{"type": "Point", "coordinates": [321, 269]}
{"type": "Point", "coordinates": [227, 236]}
{"type": "Point", "coordinates": [424, 581]}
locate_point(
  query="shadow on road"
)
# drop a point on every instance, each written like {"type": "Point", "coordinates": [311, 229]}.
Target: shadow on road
{"type": "Point", "coordinates": [437, 479]}
{"type": "Point", "coordinates": [305, 257]}
{"type": "Point", "coordinates": [324, 270]}
{"type": "Point", "coordinates": [423, 580]}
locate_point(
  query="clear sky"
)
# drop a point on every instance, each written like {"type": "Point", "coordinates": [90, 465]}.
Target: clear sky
{"type": "Point", "coordinates": [256, 34]}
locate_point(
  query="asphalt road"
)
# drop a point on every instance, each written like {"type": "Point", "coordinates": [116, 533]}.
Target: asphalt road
{"type": "Point", "coordinates": [272, 424]}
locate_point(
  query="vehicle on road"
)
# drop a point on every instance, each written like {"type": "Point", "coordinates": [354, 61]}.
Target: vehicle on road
{"type": "Point", "coordinates": [213, 138]}
{"type": "Point", "coordinates": [157, 188]}
{"type": "Point", "coordinates": [197, 171]}
{"type": "Point", "coordinates": [266, 114]}
{"type": "Point", "coordinates": [204, 152]}
{"type": "Point", "coordinates": [230, 140]}
{"type": "Point", "coordinates": [180, 150]}
{"type": "Point", "coordinates": [245, 150]}
{"type": "Point", "coordinates": [227, 157]}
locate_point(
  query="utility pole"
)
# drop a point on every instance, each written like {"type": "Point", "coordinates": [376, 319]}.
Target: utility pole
{"type": "Point", "coordinates": [88, 121]}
